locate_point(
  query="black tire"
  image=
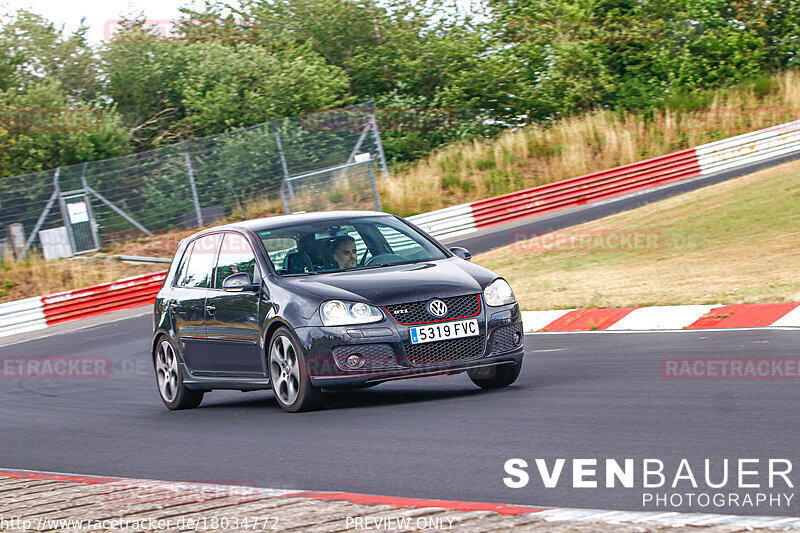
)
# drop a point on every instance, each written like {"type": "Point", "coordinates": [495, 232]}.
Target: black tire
{"type": "Point", "coordinates": [288, 374]}
{"type": "Point", "coordinates": [169, 378]}
{"type": "Point", "coordinates": [495, 377]}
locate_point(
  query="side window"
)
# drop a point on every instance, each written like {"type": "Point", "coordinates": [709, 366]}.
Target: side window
{"type": "Point", "coordinates": [400, 243]}
{"type": "Point", "coordinates": [198, 270]}
{"type": "Point", "coordinates": [278, 249]}
{"type": "Point", "coordinates": [236, 256]}
{"type": "Point", "coordinates": [181, 275]}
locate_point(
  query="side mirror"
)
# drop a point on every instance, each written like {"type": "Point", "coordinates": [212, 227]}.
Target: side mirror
{"type": "Point", "coordinates": [463, 253]}
{"type": "Point", "coordinates": [239, 282]}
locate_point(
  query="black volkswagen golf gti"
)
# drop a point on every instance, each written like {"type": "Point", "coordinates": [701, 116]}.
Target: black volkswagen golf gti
{"type": "Point", "coordinates": [307, 302]}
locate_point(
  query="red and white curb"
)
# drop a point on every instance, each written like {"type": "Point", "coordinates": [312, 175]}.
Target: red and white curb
{"type": "Point", "coordinates": [665, 318]}
{"type": "Point", "coordinates": [52, 498]}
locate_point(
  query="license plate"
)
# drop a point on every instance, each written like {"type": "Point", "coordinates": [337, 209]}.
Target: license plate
{"type": "Point", "coordinates": [440, 332]}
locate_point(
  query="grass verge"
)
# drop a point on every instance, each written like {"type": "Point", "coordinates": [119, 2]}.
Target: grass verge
{"type": "Point", "coordinates": [735, 242]}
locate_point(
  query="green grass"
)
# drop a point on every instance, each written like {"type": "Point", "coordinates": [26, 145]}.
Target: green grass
{"type": "Point", "coordinates": [736, 242]}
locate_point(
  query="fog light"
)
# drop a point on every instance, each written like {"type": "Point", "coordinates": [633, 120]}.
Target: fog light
{"type": "Point", "coordinates": [517, 338]}
{"type": "Point", "coordinates": [355, 361]}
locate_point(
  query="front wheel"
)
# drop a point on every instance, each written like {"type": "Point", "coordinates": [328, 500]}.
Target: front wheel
{"type": "Point", "coordinates": [169, 377]}
{"type": "Point", "coordinates": [495, 377]}
{"type": "Point", "coordinates": [289, 375]}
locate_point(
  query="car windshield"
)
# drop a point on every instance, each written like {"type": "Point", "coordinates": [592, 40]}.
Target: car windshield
{"type": "Point", "coordinates": [336, 245]}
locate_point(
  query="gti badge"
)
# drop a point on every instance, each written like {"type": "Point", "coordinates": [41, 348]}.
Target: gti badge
{"type": "Point", "coordinates": [437, 308]}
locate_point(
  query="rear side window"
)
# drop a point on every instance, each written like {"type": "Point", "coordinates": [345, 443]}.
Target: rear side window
{"type": "Point", "coordinates": [235, 257]}
{"type": "Point", "coordinates": [181, 275]}
{"type": "Point", "coordinates": [198, 270]}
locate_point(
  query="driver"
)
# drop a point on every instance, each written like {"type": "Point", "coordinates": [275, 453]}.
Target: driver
{"type": "Point", "coordinates": [344, 252]}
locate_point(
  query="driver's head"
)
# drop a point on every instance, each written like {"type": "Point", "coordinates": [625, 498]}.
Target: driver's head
{"type": "Point", "coordinates": [344, 252]}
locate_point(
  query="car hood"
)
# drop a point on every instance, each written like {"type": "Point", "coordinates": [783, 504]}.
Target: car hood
{"type": "Point", "coordinates": [398, 283]}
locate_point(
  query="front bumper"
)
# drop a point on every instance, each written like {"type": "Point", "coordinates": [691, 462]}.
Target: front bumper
{"type": "Point", "coordinates": [385, 347]}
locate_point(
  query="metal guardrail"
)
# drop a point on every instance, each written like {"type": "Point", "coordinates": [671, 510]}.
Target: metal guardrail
{"type": "Point", "coordinates": [22, 316]}
{"type": "Point", "coordinates": [103, 298]}
{"type": "Point", "coordinates": [586, 189]}
{"type": "Point", "coordinates": [706, 159]}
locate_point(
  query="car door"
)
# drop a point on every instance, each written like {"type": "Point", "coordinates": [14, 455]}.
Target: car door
{"type": "Point", "coordinates": [233, 326]}
{"type": "Point", "coordinates": [187, 302]}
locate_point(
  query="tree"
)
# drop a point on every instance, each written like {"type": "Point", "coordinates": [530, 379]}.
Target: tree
{"type": "Point", "coordinates": [34, 49]}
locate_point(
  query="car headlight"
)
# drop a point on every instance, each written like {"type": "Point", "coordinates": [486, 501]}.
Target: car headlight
{"type": "Point", "coordinates": [339, 313]}
{"type": "Point", "coordinates": [498, 292]}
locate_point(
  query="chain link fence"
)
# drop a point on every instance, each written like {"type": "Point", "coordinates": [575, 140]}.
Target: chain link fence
{"type": "Point", "coordinates": [324, 160]}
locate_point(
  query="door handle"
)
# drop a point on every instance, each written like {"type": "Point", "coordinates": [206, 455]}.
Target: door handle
{"type": "Point", "coordinates": [211, 308]}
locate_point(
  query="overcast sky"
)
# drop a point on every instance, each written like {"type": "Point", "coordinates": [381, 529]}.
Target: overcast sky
{"type": "Point", "coordinates": [99, 14]}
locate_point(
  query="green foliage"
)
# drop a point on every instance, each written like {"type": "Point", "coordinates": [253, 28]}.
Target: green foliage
{"type": "Point", "coordinates": [454, 183]}
{"type": "Point", "coordinates": [42, 129]}
{"type": "Point", "coordinates": [213, 87]}
{"type": "Point", "coordinates": [637, 55]}
{"type": "Point", "coordinates": [51, 111]}
{"type": "Point", "coordinates": [499, 182]}
{"type": "Point", "coordinates": [485, 164]}
{"type": "Point", "coordinates": [228, 87]}
{"type": "Point", "coordinates": [237, 64]}
{"type": "Point", "coordinates": [33, 49]}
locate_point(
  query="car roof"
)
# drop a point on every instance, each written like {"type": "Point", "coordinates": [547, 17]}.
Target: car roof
{"type": "Point", "coordinates": [266, 223]}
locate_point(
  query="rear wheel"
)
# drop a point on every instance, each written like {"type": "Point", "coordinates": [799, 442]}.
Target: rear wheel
{"type": "Point", "coordinates": [495, 377]}
{"type": "Point", "coordinates": [169, 377]}
{"type": "Point", "coordinates": [289, 375]}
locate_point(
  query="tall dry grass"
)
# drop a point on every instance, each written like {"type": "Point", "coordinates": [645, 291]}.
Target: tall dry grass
{"type": "Point", "coordinates": [574, 146]}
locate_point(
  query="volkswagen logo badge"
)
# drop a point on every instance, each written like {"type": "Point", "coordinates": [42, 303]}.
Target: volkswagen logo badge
{"type": "Point", "coordinates": [437, 308]}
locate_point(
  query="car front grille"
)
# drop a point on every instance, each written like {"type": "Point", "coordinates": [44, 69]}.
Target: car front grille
{"type": "Point", "coordinates": [377, 356]}
{"type": "Point", "coordinates": [503, 338]}
{"type": "Point", "coordinates": [417, 312]}
{"type": "Point", "coordinates": [443, 352]}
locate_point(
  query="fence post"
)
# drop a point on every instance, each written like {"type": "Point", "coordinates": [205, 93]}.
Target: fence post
{"type": "Point", "coordinates": [286, 209]}
{"type": "Point", "coordinates": [374, 126]}
{"type": "Point", "coordinates": [193, 185]}
{"type": "Point", "coordinates": [374, 188]}
{"type": "Point", "coordinates": [95, 227]}
{"type": "Point", "coordinates": [283, 162]}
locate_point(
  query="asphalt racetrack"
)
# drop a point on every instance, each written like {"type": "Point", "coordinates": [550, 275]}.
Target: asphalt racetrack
{"type": "Point", "coordinates": [584, 395]}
